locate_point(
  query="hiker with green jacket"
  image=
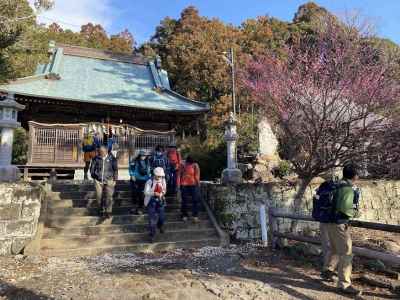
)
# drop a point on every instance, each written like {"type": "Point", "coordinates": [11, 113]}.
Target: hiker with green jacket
{"type": "Point", "coordinates": [336, 227]}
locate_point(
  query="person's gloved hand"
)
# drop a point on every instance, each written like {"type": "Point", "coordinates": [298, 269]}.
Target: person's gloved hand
{"type": "Point", "coordinates": [133, 178]}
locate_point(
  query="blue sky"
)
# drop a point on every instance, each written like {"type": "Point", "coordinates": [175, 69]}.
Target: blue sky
{"type": "Point", "coordinates": [141, 17]}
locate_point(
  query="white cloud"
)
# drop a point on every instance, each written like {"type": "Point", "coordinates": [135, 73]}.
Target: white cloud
{"type": "Point", "coordinates": [72, 14]}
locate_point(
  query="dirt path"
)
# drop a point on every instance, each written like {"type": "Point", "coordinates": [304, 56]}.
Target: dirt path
{"type": "Point", "coordinates": [209, 273]}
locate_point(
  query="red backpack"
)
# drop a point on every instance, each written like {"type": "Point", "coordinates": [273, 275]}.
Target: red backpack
{"type": "Point", "coordinates": [174, 157]}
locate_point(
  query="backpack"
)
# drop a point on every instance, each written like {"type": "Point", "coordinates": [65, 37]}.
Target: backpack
{"type": "Point", "coordinates": [159, 161]}
{"type": "Point", "coordinates": [142, 167]}
{"type": "Point", "coordinates": [88, 144]}
{"type": "Point", "coordinates": [189, 173]}
{"type": "Point", "coordinates": [324, 202]}
{"type": "Point", "coordinates": [173, 157]}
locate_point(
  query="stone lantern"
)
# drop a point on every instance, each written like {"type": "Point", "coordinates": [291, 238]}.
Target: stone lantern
{"type": "Point", "coordinates": [231, 174]}
{"type": "Point", "coordinates": [8, 122]}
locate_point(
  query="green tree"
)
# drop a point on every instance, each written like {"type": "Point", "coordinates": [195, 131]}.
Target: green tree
{"type": "Point", "coordinates": [21, 45]}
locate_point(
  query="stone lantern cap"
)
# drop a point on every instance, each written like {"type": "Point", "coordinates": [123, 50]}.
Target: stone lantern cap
{"type": "Point", "coordinates": [11, 103]}
{"type": "Point", "coordinates": [8, 112]}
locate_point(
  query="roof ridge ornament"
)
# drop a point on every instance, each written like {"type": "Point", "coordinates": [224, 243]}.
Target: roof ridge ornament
{"type": "Point", "coordinates": [158, 62]}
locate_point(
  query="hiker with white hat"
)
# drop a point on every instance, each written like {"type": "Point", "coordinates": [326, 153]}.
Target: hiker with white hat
{"type": "Point", "coordinates": [154, 200]}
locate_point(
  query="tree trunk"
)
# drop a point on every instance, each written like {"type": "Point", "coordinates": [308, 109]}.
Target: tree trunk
{"type": "Point", "coordinates": [298, 201]}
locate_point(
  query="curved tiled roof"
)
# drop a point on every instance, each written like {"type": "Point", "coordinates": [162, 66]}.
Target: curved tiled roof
{"type": "Point", "coordinates": [95, 76]}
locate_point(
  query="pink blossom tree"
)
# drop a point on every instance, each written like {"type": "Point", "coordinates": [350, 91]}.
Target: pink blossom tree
{"type": "Point", "coordinates": [330, 99]}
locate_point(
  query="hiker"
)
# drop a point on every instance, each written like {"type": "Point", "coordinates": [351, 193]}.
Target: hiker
{"type": "Point", "coordinates": [139, 171]}
{"type": "Point", "coordinates": [190, 183]}
{"type": "Point", "coordinates": [104, 171]}
{"type": "Point", "coordinates": [154, 200]}
{"type": "Point", "coordinates": [97, 141]}
{"type": "Point", "coordinates": [112, 144]}
{"type": "Point", "coordinates": [334, 205]}
{"type": "Point", "coordinates": [159, 159]}
{"type": "Point", "coordinates": [175, 161]}
{"type": "Point", "coordinates": [89, 152]}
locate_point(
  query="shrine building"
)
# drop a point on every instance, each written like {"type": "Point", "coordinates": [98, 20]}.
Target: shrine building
{"type": "Point", "coordinates": [81, 90]}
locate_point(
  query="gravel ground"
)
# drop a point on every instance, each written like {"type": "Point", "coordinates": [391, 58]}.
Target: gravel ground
{"type": "Point", "coordinates": [241, 272]}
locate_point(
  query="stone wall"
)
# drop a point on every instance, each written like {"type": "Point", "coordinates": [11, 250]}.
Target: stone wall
{"type": "Point", "coordinates": [19, 214]}
{"type": "Point", "coordinates": [237, 207]}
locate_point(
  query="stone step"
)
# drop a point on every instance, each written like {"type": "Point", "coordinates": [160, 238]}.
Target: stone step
{"type": "Point", "coordinates": [138, 247]}
{"type": "Point", "coordinates": [93, 211]}
{"type": "Point", "coordinates": [124, 238]}
{"type": "Point", "coordinates": [81, 203]}
{"type": "Point", "coordinates": [116, 229]}
{"type": "Point", "coordinates": [119, 220]}
{"type": "Point", "coordinates": [92, 195]}
{"type": "Point", "coordinates": [85, 187]}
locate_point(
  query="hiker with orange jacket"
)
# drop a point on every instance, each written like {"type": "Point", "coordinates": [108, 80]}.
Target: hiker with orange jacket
{"type": "Point", "coordinates": [190, 184]}
{"type": "Point", "coordinates": [175, 161]}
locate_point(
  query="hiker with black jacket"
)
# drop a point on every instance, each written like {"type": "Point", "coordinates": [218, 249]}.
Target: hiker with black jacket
{"type": "Point", "coordinates": [104, 171]}
{"type": "Point", "coordinates": [139, 171]}
{"type": "Point", "coordinates": [334, 205]}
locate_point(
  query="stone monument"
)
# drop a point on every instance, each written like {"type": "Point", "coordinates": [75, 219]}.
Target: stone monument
{"type": "Point", "coordinates": [8, 122]}
{"type": "Point", "coordinates": [231, 174]}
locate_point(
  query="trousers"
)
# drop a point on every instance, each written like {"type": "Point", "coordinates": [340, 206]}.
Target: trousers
{"type": "Point", "coordinates": [156, 210]}
{"type": "Point", "coordinates": [190, 192]}
{"type": "Point", "coordinates": [104, 194]}
{"type": "Point", "coordinates": [137, 192]}
{"type": "Point", "coordinates": [338, 252]}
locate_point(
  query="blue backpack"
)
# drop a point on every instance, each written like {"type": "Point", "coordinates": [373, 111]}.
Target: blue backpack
{"type": "Point", "coordinates": [324, 202]}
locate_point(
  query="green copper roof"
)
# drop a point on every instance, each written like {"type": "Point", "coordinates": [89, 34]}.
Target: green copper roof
{"type": "Point", "coordinates": [103, 81]}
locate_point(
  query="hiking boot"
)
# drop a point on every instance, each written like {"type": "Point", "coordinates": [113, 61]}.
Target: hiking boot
{"type": "Point", "coordinates": [195, 220]}
{"type": "Point", "coordinates": [139, 211]}
{"type": "Point", "coordinates": [351, 291]}
{"type": "Point", "coordinates": [151, 238]}
{"type": "Point", "coordinates": [162, 230]}
{"type": "Point", "coordinates": [327, 276]}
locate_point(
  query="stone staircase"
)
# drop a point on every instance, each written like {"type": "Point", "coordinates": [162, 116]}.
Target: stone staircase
{"type": "Point", "coordinates": [72, 229]}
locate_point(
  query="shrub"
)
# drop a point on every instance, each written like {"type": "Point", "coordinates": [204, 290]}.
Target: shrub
{"type": "Point", "coordinates": [283, 169]}
{"type": "Point", "coordinates": [20, 147]}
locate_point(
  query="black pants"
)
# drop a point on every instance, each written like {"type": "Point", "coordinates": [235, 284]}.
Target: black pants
{"type": "Point", "coordinates": [86, 169]}
{"type": "Point", "coordinates": [190, 193]}
{"type": "Point", "coordinates": [137, 191]}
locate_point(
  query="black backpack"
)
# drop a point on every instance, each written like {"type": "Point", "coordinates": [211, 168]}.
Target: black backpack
{"type": "Point", "coordinates": [142, 167]}
{"type": "Point", "coordinates": [324, 202]}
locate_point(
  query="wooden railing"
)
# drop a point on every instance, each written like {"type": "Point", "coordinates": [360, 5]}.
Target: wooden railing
{"type": "Point", "coordinates": [274, 234]}
{"type": "Point", "coordinates": [60, 145]}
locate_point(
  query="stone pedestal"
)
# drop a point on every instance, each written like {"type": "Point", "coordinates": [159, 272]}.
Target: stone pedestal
{"type": "Point", "coordinates": [9, 173]}
{"type": "Point", "coordinates": [231, 175]}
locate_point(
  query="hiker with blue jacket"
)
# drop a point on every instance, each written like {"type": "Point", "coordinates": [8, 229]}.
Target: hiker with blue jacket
{"type": "Point", "coordinates": [335, 203]}
{"type": "Point", "coordinates": [139, 171]}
